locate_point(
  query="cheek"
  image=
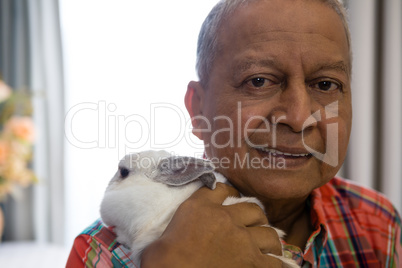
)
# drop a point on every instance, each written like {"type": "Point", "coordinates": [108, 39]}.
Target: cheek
{"type": "Point", "coordinates": [344, 133]}
{"type": "Point", "coordinates": [247, 121]}
{"type": "Point", "coordinates": [335, 135]}
{"type": "Point", "coordinates": [254, 116]}
{"type": "Point", "coordinates": [230, 129]}
{"type": "Point", "coordinates": [335, 132]}
{"type": "Point", "coordinates": [220, 135]}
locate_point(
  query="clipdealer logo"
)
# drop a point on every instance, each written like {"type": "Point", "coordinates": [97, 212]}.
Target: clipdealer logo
{"type": "Point", "coordinates": [330, 157]}
{"type": "Point", "coordinates": [112, 130]}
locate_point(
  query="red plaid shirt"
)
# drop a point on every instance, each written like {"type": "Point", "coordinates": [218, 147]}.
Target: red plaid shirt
{"type": "Point", "coordinates": [353, 227]}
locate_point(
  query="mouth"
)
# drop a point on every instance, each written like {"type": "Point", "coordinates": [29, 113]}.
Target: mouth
{"type": "Point", "coordinates": [291, 157]}
{"type": "Point", "coordinates": [278, 153]}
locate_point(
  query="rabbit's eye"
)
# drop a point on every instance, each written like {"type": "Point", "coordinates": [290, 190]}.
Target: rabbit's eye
{"type": "Point", "coordinates": [124, 172]}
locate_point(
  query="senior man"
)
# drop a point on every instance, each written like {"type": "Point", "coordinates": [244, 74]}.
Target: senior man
{"type": "Point", "coordinates": [274, 102]}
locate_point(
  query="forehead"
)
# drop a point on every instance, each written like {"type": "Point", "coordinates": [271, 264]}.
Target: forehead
{"type": "Point", "coordinates": [298, 23]}
{"type": "Point", "coordinates": [280, 14]}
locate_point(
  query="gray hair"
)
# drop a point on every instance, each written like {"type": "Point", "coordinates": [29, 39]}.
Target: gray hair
{"type": "Point", "coordinates": [207, 47]}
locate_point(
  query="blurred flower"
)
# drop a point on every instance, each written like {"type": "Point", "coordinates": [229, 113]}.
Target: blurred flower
{"type": "Point", "coordinates": [17, 135]}
{"type": "Point", "coordinates": [4, 152]}
{"type": "Point", "coordinates": [21, 127]}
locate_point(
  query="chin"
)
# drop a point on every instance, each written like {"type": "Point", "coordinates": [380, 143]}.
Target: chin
{"type": "Point", "coordinates": [277, 186]}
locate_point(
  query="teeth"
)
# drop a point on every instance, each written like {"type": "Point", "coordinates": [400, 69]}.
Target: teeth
{"type": "Point", "coordinates": [276, 152]}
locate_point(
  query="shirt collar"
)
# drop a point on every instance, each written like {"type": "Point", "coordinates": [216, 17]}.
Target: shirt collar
{"type": "Point", "coordinates": [319, 237]}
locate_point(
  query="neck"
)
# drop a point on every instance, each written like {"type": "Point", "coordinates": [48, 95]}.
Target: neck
{"type": "Point", "coordinates": [291, 217]}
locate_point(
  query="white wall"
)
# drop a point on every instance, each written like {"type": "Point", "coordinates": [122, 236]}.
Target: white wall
{"type": "Point", "coordinates": [120, 58]}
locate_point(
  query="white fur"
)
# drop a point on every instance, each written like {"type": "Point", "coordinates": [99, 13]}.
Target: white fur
{"type": "Point", "coordinates": [140, 209]}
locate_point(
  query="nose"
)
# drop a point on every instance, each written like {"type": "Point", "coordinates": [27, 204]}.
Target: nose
{"type": "Point", "coordinates": [295, 107]}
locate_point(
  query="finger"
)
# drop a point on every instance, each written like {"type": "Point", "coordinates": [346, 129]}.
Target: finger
{"type": "Point", "coordinates": [270, 261]}
{"type": "Point", "coordinates": [266, 239]}
{"type": "Point", "coordinates": [247, 214]}
{"type": "Point", "coordinates": [218, 195]}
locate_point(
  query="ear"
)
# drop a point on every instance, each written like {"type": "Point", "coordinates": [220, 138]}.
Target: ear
{"type": "Point", "coordinates": [180, 170]}
{"type": "Point", "coordinates": [194, 101]}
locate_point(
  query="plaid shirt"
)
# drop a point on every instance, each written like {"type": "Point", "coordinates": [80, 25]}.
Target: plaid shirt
{"type": "Point", "coordinates": [353, 227]}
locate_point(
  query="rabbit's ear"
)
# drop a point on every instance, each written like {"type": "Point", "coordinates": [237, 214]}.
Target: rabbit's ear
{"type": "Point", "coordinates": [180, 170]}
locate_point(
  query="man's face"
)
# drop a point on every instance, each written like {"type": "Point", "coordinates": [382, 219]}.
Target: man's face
{"type": "Point", "coordinates": [278, 90]}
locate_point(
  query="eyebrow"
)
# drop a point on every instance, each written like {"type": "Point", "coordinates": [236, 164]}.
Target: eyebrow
{"type": "Point", "coordinates": [245, 65]}
{"type": "Point", "coordinates": [339, 66]}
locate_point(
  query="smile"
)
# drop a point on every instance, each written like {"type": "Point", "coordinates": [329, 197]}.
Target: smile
{"type": "Point", "coordinates": [278, 153]}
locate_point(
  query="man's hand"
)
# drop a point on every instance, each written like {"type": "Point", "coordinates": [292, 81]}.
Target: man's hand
{"type": "Point", "coordinates": [203, 233]}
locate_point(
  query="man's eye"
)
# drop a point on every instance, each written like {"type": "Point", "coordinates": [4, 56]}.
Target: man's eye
{"type": "Point", "coordinates": [259, 82]}
{"type": "Point", "coordinates": [327, 86]}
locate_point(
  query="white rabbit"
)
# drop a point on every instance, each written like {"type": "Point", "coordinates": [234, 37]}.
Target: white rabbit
{"type": "Point", "coordinates": [145, 192]}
